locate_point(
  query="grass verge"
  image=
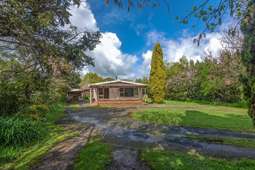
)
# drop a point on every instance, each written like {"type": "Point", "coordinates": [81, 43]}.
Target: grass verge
{"type": "Point", "coordinates": [197, 115]}
{"type": "Point", "coordinates": [165, 160]}
{"type": "Point", "coordinates": [94, 156]}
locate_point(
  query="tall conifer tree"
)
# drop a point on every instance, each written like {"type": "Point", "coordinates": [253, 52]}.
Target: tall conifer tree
{"type": "Point", "coordinates": [157, 81]}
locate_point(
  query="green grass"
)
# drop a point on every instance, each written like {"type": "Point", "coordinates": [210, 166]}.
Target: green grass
{"type": "Point", "coordinates": [171, 160]}
{"type": "Point", "coordinates": [23, 156]}
{"type": "Point", "coordinates": [56, 112]}
{"type": "Point", "coordinates": [241, 104]}
{"type": "Point", "coordinates": [197, 115]}
{"type": "Point", "coordinates": [94, 156]}
{"type": "Point", "coordinates": [249, 143]}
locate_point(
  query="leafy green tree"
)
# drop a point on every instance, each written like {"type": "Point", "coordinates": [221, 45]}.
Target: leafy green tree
{"type": "Point", "coordinates": [143, 80]}
{"type": "Point", "coordinates": [41, 53]}
{"type": "Point", "coordinates": [210, 79]}
{"type": "Point", "coordinates": [157, 82]}
{"type": "Point", "coordinates": [108, 79]}
{"type": "Point", "coordinates": [91, 78]}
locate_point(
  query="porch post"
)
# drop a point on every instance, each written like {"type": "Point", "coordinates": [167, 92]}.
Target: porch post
{"type": "Point", "coordinates": [90, 95]}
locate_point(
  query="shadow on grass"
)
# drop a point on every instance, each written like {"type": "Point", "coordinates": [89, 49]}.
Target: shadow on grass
{"type": "Point", "coordinates": [230, 121]}
{"type": "Point", "coordinates": [196, 118]}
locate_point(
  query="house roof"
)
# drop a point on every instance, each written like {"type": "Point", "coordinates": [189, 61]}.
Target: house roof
{"type": "Point", "coordinates": [116, 82]}
{"type": "Point", "coordinates": [75, 90]}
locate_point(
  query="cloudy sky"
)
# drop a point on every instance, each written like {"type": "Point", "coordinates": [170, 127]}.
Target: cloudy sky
{"type": "Point", "coordinates": [129, 36]}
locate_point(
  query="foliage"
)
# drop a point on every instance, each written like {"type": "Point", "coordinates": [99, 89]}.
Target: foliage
{"type": "Point", "coordinates": [211, 79]}
{"type": "Point", "coordinates": [248, 57]}
{"type": "Point", "coordinates": [36, 111]}
{"type": "Point", "coordinates": [197, 115]}
{"type": "Point", "coordinates": [143, 80]}
{"type": "Point", "coordinates": [55, 113]}
{"type": "Point", "coordinates": [91, 78]}
{"type": "Point", "coordinates": [43, 36]}
{"type": "Point", "coordinates": [41, 53]}
{"type": "Point", "coordinates": [146, 99]}
{"type": "Point", "coordinates": [22, 157]}
{"type": "Point", "coordinates": [158, 160]}
{"type": "Point", "coordinates": [17, 131]}
{"type": "Point", "coordinates": [157, 82]}
{"type": "Point", "coordinates": [94, 156]}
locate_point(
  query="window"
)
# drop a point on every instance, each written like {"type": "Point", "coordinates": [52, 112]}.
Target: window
{"type": "Point", "coordinates": [103, 93]}
{"type": "Point", "coordinates": [122, 92]}
{"type": "Point", "coordinates": [128, 92]}
{"type": "Point", "coordinates": [106, 93]}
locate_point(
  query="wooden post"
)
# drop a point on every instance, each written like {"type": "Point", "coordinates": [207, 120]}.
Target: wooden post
{"type": "Point", "coordinates": [90, 95]}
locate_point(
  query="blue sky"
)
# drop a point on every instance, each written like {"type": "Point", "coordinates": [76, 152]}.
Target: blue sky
{"type": "Point", "coordinates": [128, 36]}
{"type": "Point", "coordinates": [131, 27]}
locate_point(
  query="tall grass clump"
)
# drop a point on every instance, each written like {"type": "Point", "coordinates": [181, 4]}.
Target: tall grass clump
{"type": "Point", "coordinates": [18, 131]}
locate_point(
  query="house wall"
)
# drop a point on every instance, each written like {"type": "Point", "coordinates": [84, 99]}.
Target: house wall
{"type": "Point", "coordinates": [114, 95]}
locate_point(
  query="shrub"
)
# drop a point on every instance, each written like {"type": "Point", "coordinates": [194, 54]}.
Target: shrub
{"type": "Point", "coordinates": [16, 131]}
{"type": "Point", "coordinates": [86, 98]}
{"type": "Point", "coordinates": [36, 111]}
{"type": "Point", "coordinates": [146, 99]}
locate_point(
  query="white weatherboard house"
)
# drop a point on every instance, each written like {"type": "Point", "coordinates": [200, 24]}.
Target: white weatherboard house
{"type": "Point", "coordinates": [117, 91]}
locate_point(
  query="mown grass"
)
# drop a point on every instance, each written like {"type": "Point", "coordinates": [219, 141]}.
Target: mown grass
{"type": "Point", "coordinates": [197, 115]}
{"type": "Point", "coordinates": [94, 156]}
{"type": "Point", "coordinates": [23, 156]}
{"type": "Point", "coordinates": [247, 143]}
{"type": "Point", "coordinates": [166, 160]}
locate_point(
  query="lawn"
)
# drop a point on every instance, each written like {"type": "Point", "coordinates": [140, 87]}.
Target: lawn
{"type": "Point", "coordinates": [197, 115]}
{"type": "Point", "coordinates": [94, 156]}
{"type": "Point", "coordinates": [166, 160]}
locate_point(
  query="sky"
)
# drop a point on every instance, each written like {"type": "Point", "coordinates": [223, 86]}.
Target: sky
{"type": "Point", "coordinates": [128, 37]}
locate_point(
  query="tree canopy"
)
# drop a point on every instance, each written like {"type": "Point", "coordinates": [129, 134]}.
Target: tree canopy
{"type": "Point", "coordinates": [41, 52]}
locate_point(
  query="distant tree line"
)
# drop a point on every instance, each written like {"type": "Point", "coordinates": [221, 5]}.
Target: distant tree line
{"type": "Point", "coordinates": [212, 79]}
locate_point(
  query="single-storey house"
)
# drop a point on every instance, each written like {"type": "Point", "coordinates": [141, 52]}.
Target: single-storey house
{"type": "Point", "coordinates": [117, 91]}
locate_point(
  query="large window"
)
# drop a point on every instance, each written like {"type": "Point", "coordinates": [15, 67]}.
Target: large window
{"type": "Point", "coordinates": [128, 92]}
{"type": "Point", "coordinates": [103, 93]}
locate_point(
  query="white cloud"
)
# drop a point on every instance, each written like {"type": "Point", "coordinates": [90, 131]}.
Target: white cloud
{"type": "Point", "coordinates": [83, 18]}
{"type": "Point", "coordinates": [144, 68]}
{"type": "Point", "coordinates": [185, 46]}
{"type": "Point", "coordinates": [147, 57]}
{"type": "Point", "coordinates": [109, 59]}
